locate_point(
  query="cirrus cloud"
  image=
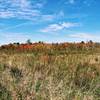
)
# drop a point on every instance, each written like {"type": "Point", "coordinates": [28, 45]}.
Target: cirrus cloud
{"type": "Point", "coordinates": [58, 27]}
{"type": "Point", "coordinates": [21, 9]}
{"type": "Point", "coordinates": [85, 36]}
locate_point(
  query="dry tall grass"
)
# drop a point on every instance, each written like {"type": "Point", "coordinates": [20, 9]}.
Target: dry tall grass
{"type": "Point", "coordinates": [66, 76]}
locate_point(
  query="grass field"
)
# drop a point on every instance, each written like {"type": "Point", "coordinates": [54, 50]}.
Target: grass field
{"type": "Point", "coordinates": [58, 75]}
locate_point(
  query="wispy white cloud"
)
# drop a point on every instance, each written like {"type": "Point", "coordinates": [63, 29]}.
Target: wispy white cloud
{"type": "Point", "coordinates": [13, 27]}
{"type": "Point", "coordinates": [58, 27]}
{"type": "Point", "coordinates": [30, 10]}
{"type": "Point", "coordinates": [6, 14]}
{"type": "Point", "coordinates": [39, 5]}
{"type": "Point", "coordinates": [47, 17]}
{"type": "Point", "coordinates": [53, 27]}
{"type": "Point", "coordinates": [85, 36]}
{"type": "Point", "coordinates": [20, 9]}
{"type": "Point", "coordinates": [13, 37]}
{"type": "Point", "coordinates": [82, 35]}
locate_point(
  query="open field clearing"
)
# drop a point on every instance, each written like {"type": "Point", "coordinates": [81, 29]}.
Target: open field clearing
{"type": "Point", "coordinates": [27, 76]}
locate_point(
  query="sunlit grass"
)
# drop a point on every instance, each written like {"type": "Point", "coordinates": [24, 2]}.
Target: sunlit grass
{"type": "Point", "coordinates": [27, 76]}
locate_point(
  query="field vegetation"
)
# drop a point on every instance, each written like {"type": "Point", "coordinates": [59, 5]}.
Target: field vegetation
{"type": "Point", "coordinates": [41, 71]}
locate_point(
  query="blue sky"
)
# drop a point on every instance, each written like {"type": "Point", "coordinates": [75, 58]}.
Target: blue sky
{"type": "Point", "coordinates": [49, 20]}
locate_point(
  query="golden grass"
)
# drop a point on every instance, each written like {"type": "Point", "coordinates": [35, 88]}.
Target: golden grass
{"type": "Point", "coordinates": [50, 77]}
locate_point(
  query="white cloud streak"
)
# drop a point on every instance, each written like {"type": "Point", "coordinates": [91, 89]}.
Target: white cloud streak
{"type": "Point", "coordinates": [58, 27]}
{"type": "Point", "coordinates": [20, 9]}
{"type": "Point", "coordinates": [85, 36]}
{"type": "Point", "coordinates": [16, 26]}
{"type": "Point", "coordinates": [13, 37]}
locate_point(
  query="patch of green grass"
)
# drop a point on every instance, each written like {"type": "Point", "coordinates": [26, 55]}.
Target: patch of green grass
{"type": "Point", "coordinates": [2, 67]}
{"type": "Point", "coordinates": [4, 93]}
{"type": "Point", "coordinates": [37, 87]}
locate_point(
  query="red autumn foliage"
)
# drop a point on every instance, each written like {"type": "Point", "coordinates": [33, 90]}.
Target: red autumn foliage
{"type": "Point", "coordinates": [47, 46]}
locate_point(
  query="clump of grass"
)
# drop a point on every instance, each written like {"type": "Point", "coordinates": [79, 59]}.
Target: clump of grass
{"type": "Point", "coordinates": [97, 91]}
{"type": "Point", "coordinates": [4, 93]}
{"type": "Point", "coordinates": [37, 87]}
{"type": "Point", "coordinates": [16, 73]}
{"type": "Point", "coordinates": [2, 67]}
{"type": "Point", "coordinates": [84, 75]}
